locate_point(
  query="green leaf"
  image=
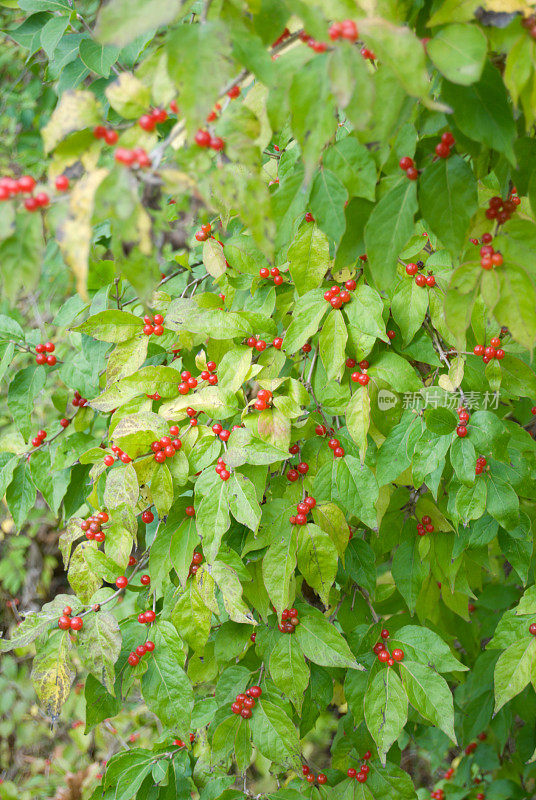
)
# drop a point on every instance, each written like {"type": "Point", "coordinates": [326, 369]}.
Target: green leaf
{"type": "Point", "coordinates": [306, 319]}
{"type": "Point", "coordinates": [354, 166]}
{"type": "Point", "coordinates": [279, 563]}
{"type": "Point", "coordinates": [518, 296]}
{"type": "Point", "coordinates": [321, 642]}
{"type": "Point", "coordinates": [120, 22]}
{"type": "Point", "coordinates": [100, 704]}
{"type": "Point", "coordinates": [332, 344]}
{"type": "Point", "coordinates": [390, 782]}
{"type": "Point", "coordinates": [448, 199]}
{"type": "Point", "coordinates": [53, 673]}
{"type": "Point", "coordinates": [459, 52]}
{"type": "Point", "coordinates": [482, 111]}
{"type": "Point", "coordinates": [274, 735]}
{"type": "Point", "coordinates": [21, 494]}
{"type": "Point", "coordinates": [111, 326]}
{"type": "Point", "coordinates": [463, 460]}
{"type": "Point", "coordinates": [24, 388]}
{"type": "Point", "coordinates": [317, 559]}
{"type": "Point", "coordinates": [502, 502]}
{"type": "Point", "coordinates": [517, 377]}
{"type": "Point", "coordinates": [425, 646]}
{"type": "Point", "coordinates": [357, 488]}
{"type": "Point", "coordinates": [212, 518]}
{"type": "Point", "coordinates": [388, 229]}
{"type": "Point", "coordinates": [243, 502]}
{"type": "Point", "coordinates": [289, 671]}
{"type": "Point", "coordinates": [308, 258]}
{"type": "Point", "coordinates": [332, 520]}
{"type": "Point", "coordinates": [162, 489]}
{"type": "Point", "coordinates": [167, 690]}
{"type": "Point", "coordinates": [358, 419]}
{"type": "Point", "coordinates": [310, 88]}
{"type": "Point", "coordinates": [400, 49]}
{"type": "Point", "coordinates": [386, 709]}
{"type": "Point", "coordinates": [514, 670]}
{"type": "Point", "coordinates": [408, 572]}
{"type": "Point", "coordinates": [327, 201]}
{"type": "Point", "coordinates": [99, 646]}
{"type": "Point", "coordinates": [429, 694]}
{"type": "Point", "coordinates": [441, 420]}
{"type": "Point", "coordinates": [126, 771]}
{"type": "Point", "coordinates": [408, 307]}
{"type": "Point", "coordinates": [97, 57]}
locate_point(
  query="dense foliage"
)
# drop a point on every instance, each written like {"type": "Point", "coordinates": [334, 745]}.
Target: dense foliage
{"type": "Point", "coordinates": [269, 310]}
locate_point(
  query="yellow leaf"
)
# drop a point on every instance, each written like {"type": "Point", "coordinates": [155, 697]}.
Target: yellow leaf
{"type": "Point", "coordinates": [75, 111]}
{"type": "Point", "coordinates": [213, 258]}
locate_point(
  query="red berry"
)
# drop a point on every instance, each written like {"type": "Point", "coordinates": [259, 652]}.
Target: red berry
{"type": "Point", "coordinates": [245, 713]}
{"type": "Point", "coordinates": [320, 430]}
{"type": "Point", "coordinates": [121, 582]}
{"type": "Point", "coordinates": [216, 143]}
{"type": "Point", "coordinates": [133, 659]}
{"type": "Point", "coordinates": [420, 280]}
{"type": "Point", "coordinates": [150, 616]}
{"type": "Point", "coordinates": [412, 173]}
{"type": "Point", "coordinates": [293, 475]}
{"type": "Point", "coordinates": [26, 184]}
{"type": "Point", "coordinates": [350, 285]}
{"type": "Point", "coordinates": [398, 654]}
{"type": "Point", "coordinates": [442, 150]}
{"type": "Point", "coordinates": [321, 778]}
{"type": "Point", "coordinates": [109, 460]}
{"type": "Point", "coordinates": [361, 777]}
{"type": "Point", "coordinates": [310, 779]}
{"type": "Point", "coordinates": [145, 580]}
{"type": "Point", "coordinates": [405, 163]}
{"type": "Point", "coordinates": [338, 452]}
{"type": "Point", "coordinates": [479, 349]}
{"type": "Point", "coordinates": [77, 623]}
{"type": "Point", "coordinates": [147, 517]}
{"type": "Point", "coordinates": [391, 334]}
{"type": "Point", "coordinates": [351, 772]}
{"type": "Point", "coordinates": [412, 269]}
{"type": "Point", "coordinates": [62, 183]}
{"type": "Point", "coordinates": [149, 646]}
{"type": "Point", "coordinates": [430, 280]}
{"type": "Point", "coordinates": [110, 136]}
{"type": "Point", "coordinates": [64, 622]}
{"type": "Point", "coordinates": [51, 360]}
{"type": "Point", "coordinates": [383, 656]}
{"type": "Point", "coordinates": [384, 634]}
{"type": "Point", "coordinates": [202, 138]}
{"type": "Point", "coordinates": [461, 431]}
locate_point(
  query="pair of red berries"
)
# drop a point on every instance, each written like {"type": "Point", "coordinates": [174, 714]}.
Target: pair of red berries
{"type": "Point", "coordinates": [360, 774]}
{"type": "Point", "coordinates": [310, 778]}
{"type": "Point", "coordinates": [40, 437]}
{"type": "Point", "coordinates": [463, 416]}
{"type": "Point", "coordinates": [110, 136]}
{"type": "Point", "coordinates": [9, 187]}
{"type": "Point", "coordinates": [42, 350]}
{"type": "Point", "coordinates": [204, 232]}
{"type": "Point", "coordinates": [141, 649]}
{"type": "Point", "coordinates": [346, 29]}
{"type": "Point", "coordinates": [203, 139]}
{"type": "Point", "coordinates": [37, 201]}
{"type": "Point", "coordinates": [310, 41]}
{"type": "Point", "coordinates": [187, 382]}
{"type": "Point", "coordinates": [147, 517]}
{"type": "Point", "coordinates": [148, 122]}
{"type": "Point", "coordinates": [67, 622]}
{"type": "Point", "coordinates": [180, 743]}
{"type": "Point", "coordinates": [153, 325]}
{"type": "Point", "coordinates": [301, 469]}
{"type": "Point", "coordinates": [439, 794]}
{"type": "Point", "coordinates": [480, 465]}
{"type": "Point", "coordinates": [335, 445]}
{"type": "Point", "coordinates": [263, 400]}
{"type": "Point", "coordinates": [492, 351]}
{"type": "Point", "coordinates": [78, 400]}
{"type": "Point", "coordinates": [389, 658]}
{"type": "Point", "coordinates": [197, 560]}
{"type": "Point", "coordinates": [136, 157]}
{"type": "Point", "coordinates": [92, 526]}
{"type": "Point", "coordinates": [444, 147]}
{"type": "Point", "coordinates": [118, 453]}
{"type": "Point", "coordinates": [146, 617]}
{"type": "Point", "coordinates": [274, 273]}
{"type": "Point", "coordinates": [221, 469]}
{"type": "Point", "coordinates": [449, 773]}
{"type": "Point", "coordinates": [360, 377]}
{"type": "Point", "coordinates": [420, 279]}
{"type": "Point", "coordinates": [502, 210]}
{"type": "Point", "coordinates": [206, 373]}
{"type": "Point", "coordinates": [425, 526]}
{"type": "Point", "coordinates": [351, 363]}
{"type": "Point", "coordinates": [244, 703]}
{"type": "Point", "coordinates": [489, 257]}
{"type": "Point", "coordinates": [406, 163]}
{"type": "Point", "coordinates": [337, 297]}
{"type": "Point", "coordinates": [302, 509]}
{"type": "Point", "coordinates": [221, 432]}
{"type": "Point", "coordinates": [258, 344]}
{"type": "Point", "coordinates": [289, 620]}
{"type": "Point", "coordinates": [166, 447]}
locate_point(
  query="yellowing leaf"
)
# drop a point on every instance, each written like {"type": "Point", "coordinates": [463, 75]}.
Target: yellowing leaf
{"type": "Point", "coordinates": [75, 111]}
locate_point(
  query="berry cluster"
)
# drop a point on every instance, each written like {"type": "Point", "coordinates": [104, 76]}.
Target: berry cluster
{"type": "Point", "coordinates": [166, 447]}
{"type": "Point", "coordinates": [321, 430]}
{"type": "Point", "coordinates": [221, 432]}
{"type": "Point", "coordinates": [425, 526]}
{"type": "Point", "coordinates": [244, 703]}
{"type": "Point", "coordinates": [263, 400]}
{"type": "Point", "coordinates": [78, 400]}
{"type": "Point", "coordinates": [187, 382]}
{"type": "Point", "coordinates": [120, 454]}
{"type": "Point", "coordinates": [492, 351]}
{"type": "Point", "coordinates": [383, 654]}
{"type": "Point", "coordinates": [337, 298]}
{"type": "Point", "coordinates": [406, 163]}
{"type": "Point", "coordinates": [258, 344]}
{"type": "Point", "coordinates": [67, 622]}
{"type": "Point", "coordinates": [463, 416]}
{"type": "Point", "coordinates": [318, 47]}
{"type": "Point", "coordinates": [289, 620]}
{"type": "Point", "coordinates": [204, 232]}
{"type": "Point", "coordinates": [449, 773]}
{"type": "Point", "coordinates": [92, 526]}
{"type": "Point", "coordinates": [360, 377]}
{"type": "Point", "coordinates": [136, 157]}
{"type": "Point", "coordinates": [360, 774]}
{"type": "Point", "coordinates": [335, 445]}
{"type": "Point", "coordinates": [302, 509]}
{"type": "Point", "coordinates": [502, 210]}
{"type": "Point", "coordinates": [274, 273]}
{"type": "Point", "coordinates": [343, 30]}
{"type": "Point", "coordinates": [110, 136]}
{"type": "Point", "coordinates": [39, 438]}
{"type": "Point", "coordinates": [530, 24]}
{"type": "Point", "coordinates": [310, 778]}
{"type": "Point", "coordinates": [351, 363]}
{"type": "Point", "coordinates": [146, 617]}
{"type": "Point", "coordinates": [42, 357]}
{"type": "Point", "coordinates": [489, 257]}
{"type": "Point", "coordinates": [444, 147]}
{"type": "Point", "coordinates": [139, 652]}
{"type": "Point", "coordinates": [203, 139]}
{"type": "Point", "coordinates": [420, 279]}
{"type": "Point", "coordinates": [221, 469]}
{"type": "Point", "coordinates": [439, 794]}
{"type": "Point", "coordinates": [301, 469]}
{"type": "Point", "coordinates": [180, 743]}
{"type": "Point", "coordinates": [10, 187]}
{"type": "Point", "coordinates": [148, 122]}
{"type": "Point", "coordinates": [153, 325]}
{"type": "Point", "coordinates": [197, 560]}
{"type": "Point", "coordinates": [208, 373]}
